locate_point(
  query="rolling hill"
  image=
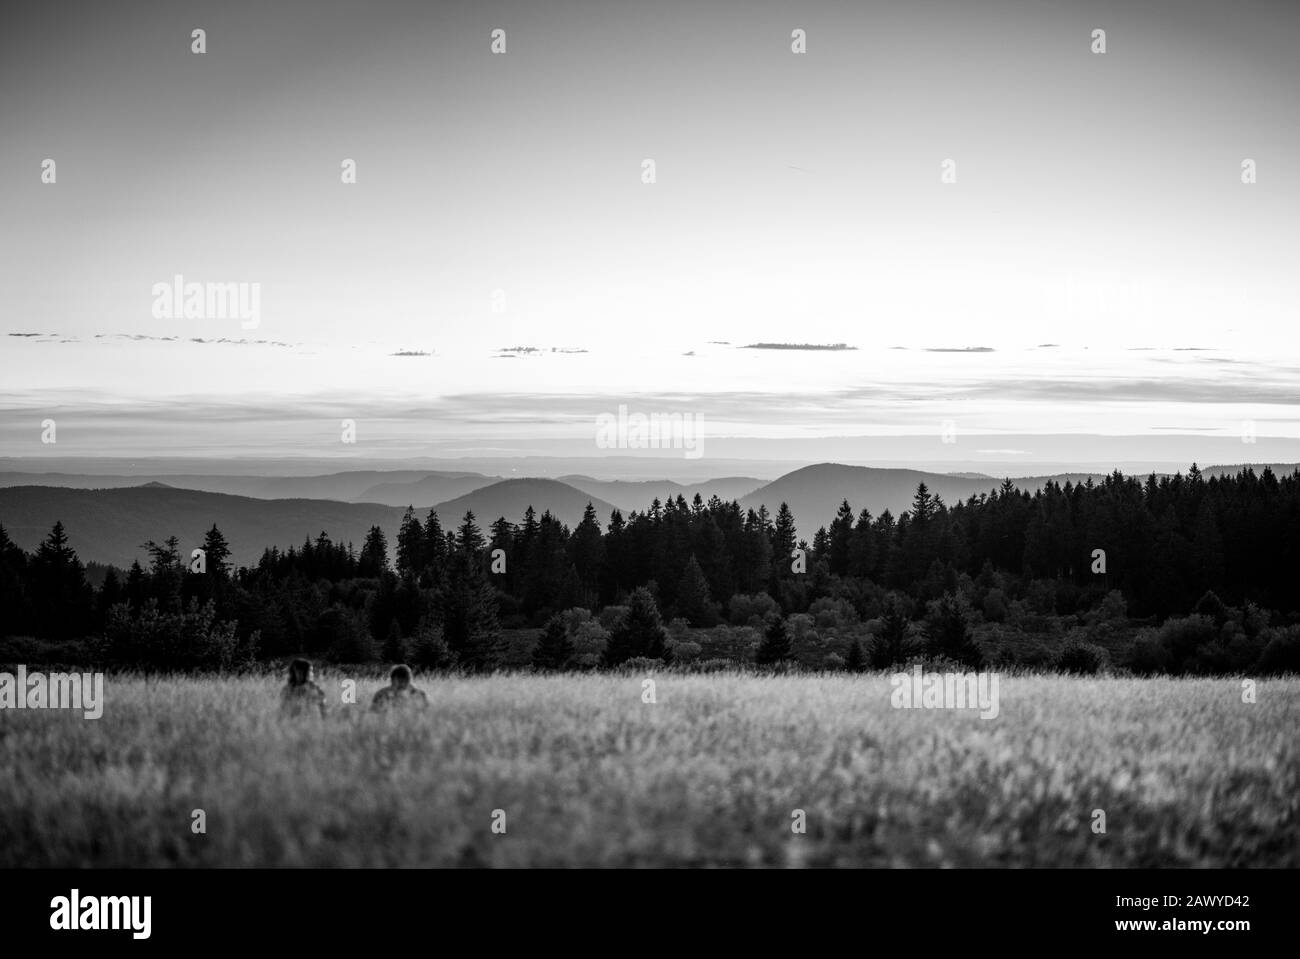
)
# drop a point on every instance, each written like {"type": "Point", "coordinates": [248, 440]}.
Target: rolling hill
{"type": "Point", "coordinates": [347, 486]}
{"type": "Point", "coordinates": [110, 525]}
{"type": "Point", "coordinates": [427, 490]}
{"type": "Point", "coordinates": [630, 495]}
{"type": "Point", "coordinates": [814, 493]}
{"type": "Point", "coordinates": [509, 498]}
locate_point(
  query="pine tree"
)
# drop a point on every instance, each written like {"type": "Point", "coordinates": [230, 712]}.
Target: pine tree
{"type": "Point", "coordinates": [889, 646]}
{"type": "Point", "coordinates": [410, 544]}
{"type": "Point", "coordinates": [783, 540]}
{"type": "Point", "coordinates": [394, 645]}
{"type": "Point", "coordinates": [840, 539]}
{"type": "Point", "coordinates": [586, 548]}
{"type": "Point", "coordinates": [857, 659]}
{"type": "Point", "coordinates": [469, 539]}
{"type": "Point", "coordinates": [694, 604]}
{"type": "Point", "coordinates": [776, 646]}
{"type": "Point", "coordinates": [434, 552]}
{"type": "Point", "coordinates": [640, 634]}
{"type": "Point", "coordinates": [62, 600]}
{"type": "Point", "coordinates": [15, 601]}
{"type": "Point", "coordinates": [468, 607]}
{"type": "Point", "coordinates": [554, 648]}
{"type": "Point", "coordinates": [215, 553]}
{"type": "Point", "coordinates": [950, 633]}
{"type": "Point", "coordinates": [374, 554]}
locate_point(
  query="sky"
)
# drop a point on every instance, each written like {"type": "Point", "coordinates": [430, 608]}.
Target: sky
{"type": "Point", "coordinates": [500, 275]}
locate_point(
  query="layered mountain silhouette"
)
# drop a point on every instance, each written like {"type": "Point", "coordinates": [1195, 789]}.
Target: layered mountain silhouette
{"type": "Point", "coordinates": [814, 493]}
{"type": "Point", "coordinates": [349, 486]}
{"type": "Point", "coordinates": [630, 495]}
{"type": "Point", "coordinates": [110, 525]}
{"type": "Point", "coordinates": [510, 498]}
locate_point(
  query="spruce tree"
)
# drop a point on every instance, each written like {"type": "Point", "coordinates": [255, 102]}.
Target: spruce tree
{"type": "Point", "coordinates": [410, 545]}
{"type": "Point", "coordinates": [776, 646]}
{"type": "Point", "coordinates": [374, 553]}
{"type": "Point", "coordinates": [950, 633]}
{"type": "Point", "coordinates": [215, 553]}
{"type": "Point", "coordinates": [640, 634]}
{"type": "Point", "coordinates": [694, 604]}
{"type": "Point", "coordinates": [857, 659]}
{"type": "Point", "coordinates": [554, 649]}
{"type": "Point", "coordinates": [394, 645]}
{"type": "Point", "coordinates": [783, 540]}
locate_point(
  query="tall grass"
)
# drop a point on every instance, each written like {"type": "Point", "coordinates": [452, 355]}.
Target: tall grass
{"type": "Point", "coordinates": [589, 774]}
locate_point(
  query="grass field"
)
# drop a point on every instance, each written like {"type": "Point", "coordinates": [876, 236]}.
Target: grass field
{"type": "Point", "coordinates": [588, 774]}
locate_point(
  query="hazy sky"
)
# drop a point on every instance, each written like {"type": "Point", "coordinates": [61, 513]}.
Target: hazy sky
{"type": "Point", "coordinates": [499, 202]}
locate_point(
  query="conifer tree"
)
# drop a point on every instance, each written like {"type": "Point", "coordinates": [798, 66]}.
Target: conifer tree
{"type": "Point", "coordinates": [554, 649]}
{"type": "Point", "coordinates": [776, 646]}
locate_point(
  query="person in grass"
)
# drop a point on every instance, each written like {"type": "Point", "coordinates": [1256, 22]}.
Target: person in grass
{"type": "Point", "coordinates": [301, 696]}
{"type": "Point", "coordinates": [399, 694]}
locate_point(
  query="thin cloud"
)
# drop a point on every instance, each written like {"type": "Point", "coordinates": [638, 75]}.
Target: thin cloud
{"type": "Point", "coordinates": [826, 347]}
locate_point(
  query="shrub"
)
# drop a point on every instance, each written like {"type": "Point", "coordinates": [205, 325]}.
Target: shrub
{"type": "Point", "coordinates": [712, 666]}
{"type": "Point", "coordinates": [589, 639]}
{"type": "Point", "coordinates": [995, 606]}
{"type": "Point", "coordinates": [642, 664]}
{"type": "Point", "coordinates": [830, 613]}
{"type": "Point", "coordinates": [612, 617]}
{"type": "Point", "coordinates": [1281, 651]}
{"type": "Point", "coordinates": [189, 639]}
{"type": "Point", "coordinates": [752, 609]}
{"type": "Point", "coordinates": [685, 651]}
{"type": "Point", "coordinates": [1084, 658]}
{"type": "Point", "coordinates": [429, 650]}
{"type": "Point", "coordinates": [1149, 655]}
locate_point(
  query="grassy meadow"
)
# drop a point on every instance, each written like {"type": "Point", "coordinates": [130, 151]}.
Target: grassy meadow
{"type": "Point", "coordinates": [588, 774]}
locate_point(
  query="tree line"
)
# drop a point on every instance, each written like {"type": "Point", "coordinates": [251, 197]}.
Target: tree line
{"type": "Point", "coordinates": [1167, 546]}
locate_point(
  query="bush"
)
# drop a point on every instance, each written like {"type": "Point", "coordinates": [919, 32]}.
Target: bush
{"type": "Point", "coordinates": [757, 609]}
{"type": "Point", "coordinates": [1189, 643]}
{"type": "Point", "coordinates": [712, 666]}
{"type": "Point", "coordinates": [1281, 651]}
{"type": "Point", "coordinates": [830, 613]}
{"type": "Point", "coordinates": [995, 606]}
{"type": "Point", "coordinates": [429, 650]}
{"type": "Point", "coordinates": [1114, 607]}
{"type": "Point", "coordinates": [685, 651]}
{"type": "Point", "coordinates": [190, 639]}
{"type": "Point", "coordinates": [1081, 657]}
{"type": "Point", "coordinates": [1149, 655]}
{"type": "Point", "coordinates": [612, 617]}
{"type": "Point", "coordinates": [589, 639]}
{"type": "Point", "coordinates": [641, 664]}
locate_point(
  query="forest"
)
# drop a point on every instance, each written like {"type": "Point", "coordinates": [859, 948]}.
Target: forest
{"type": "Point", "coordinates": [1177, 575]}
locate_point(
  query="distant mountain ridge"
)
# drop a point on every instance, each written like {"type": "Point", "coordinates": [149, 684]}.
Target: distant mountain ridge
{"type": "Point", "coordinates": [814, 493]}
{"type": "Point", "coordinates": [510, 498]}
{"type": "Point", "coordinates": [110, 524]}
